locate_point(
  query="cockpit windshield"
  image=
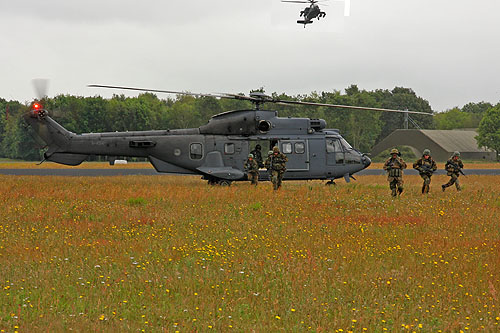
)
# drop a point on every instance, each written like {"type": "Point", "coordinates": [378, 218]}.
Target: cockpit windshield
{"type": "Point", "coordinates": [345, 144]}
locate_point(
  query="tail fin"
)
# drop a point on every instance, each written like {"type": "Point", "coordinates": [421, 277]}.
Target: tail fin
{"type": "Point", "coordinates": [52, 133]}
{"type": "Point", "coordinates": [57, 138]}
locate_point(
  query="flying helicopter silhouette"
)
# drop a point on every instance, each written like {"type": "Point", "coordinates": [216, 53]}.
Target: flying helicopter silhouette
{"type": "Point", "coordinates": [309, 13]}
{"type": "Point", "coordinates": [217, 150]}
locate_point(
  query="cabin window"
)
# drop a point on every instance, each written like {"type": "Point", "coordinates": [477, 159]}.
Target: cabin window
{"type": "Point", "coordinates": [333, 145]}
{"type": "Point", "coordinates": [196, 151]}
{"type": "Point", "coordinates": [300, 148]}
{"type": "Point", "coordinates": [286, 148]}
{"type": "Point", "coordinates": [229, 148]}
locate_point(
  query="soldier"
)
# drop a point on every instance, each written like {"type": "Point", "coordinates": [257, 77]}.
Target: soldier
{"type": "Point", "coordinates": [454, 168]}
{"type": "Point", "coordinates": [426, 167]}
{"type": "Point", "coordinates": [258, 155]}
{"type": "Point", "coordinates": [267, 163]}
{"type": "Point", "coordinates": [252, 168]}
{"type": "Point", "coordinates": [276, 162]}
{"type": "Point", "coordinates": [394, 167]}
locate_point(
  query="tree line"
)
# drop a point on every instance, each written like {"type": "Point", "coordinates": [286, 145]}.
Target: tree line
{"type": "Point", "coordinates": [363, 129]}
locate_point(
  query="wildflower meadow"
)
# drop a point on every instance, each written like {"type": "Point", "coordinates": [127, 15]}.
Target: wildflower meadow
{"type": "Point", "coordinates": [171, 253]}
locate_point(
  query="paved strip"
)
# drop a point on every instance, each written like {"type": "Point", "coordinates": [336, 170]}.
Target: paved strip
{"type": "Point", "coordinates": [475, 172]}
{"type": "Point", "coordinates": [151, 172]}
{"type": "Point", "coordinates": [80, 172]}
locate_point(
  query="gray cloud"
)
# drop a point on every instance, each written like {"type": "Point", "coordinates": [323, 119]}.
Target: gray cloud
{"type": "Point", "coordinates": [445, 50]}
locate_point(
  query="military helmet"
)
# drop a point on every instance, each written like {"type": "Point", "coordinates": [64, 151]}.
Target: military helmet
{"type": "Point", "coordinates": [250, 155]}
{"type": "Point", "coordinates": [426, 152]}
{"type": "Point", "coordinates": [394, 151]}
{"type": "Point", "coordinates": [258, 147]}
{"type": "Point", "coordinates": [456, 153]}
{"type": "Point", "coordinates": [276, 149]}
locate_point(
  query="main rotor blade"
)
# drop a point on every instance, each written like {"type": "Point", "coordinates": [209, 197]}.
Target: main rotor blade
{"type": "Point", "coordinates": [256, 100]}
{"type": "Point", "coordinates": [240, 97]}
{"type": "Point", "coordinates": [284, 102]}
{"type": "Point", "coordinates": [41, 87]}
{"type": "Point", "coordinates": [157, 90]}
{"type": "Point", "coordinates": [295, 1]}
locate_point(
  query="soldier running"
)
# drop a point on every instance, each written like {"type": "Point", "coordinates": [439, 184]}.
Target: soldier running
{"type": "Point", "coordinates": [276, 162]}
{"type": "Point", "coordinates": [454, 168]}
{"type": "Point", "coordinates": [257, 155]}
{"type": "Point", "coordinates": [394, 167]}
{"type": "Point", "coordinates": [252, 169]}
{"type": "Point", "coordinates": [426, 166]}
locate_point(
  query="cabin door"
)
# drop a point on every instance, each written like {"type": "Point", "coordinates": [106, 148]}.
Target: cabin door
{"type": "Point", "coordinates": [297, 152]}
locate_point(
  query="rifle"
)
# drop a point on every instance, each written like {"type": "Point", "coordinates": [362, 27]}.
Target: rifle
{"type": "Point", "coordinates": [427, 169]}
{"type": "Point", "coordinates": [456, 167]}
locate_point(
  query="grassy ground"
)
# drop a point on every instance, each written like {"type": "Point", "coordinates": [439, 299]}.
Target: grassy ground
{"type": "Point", "coordinates": [174, 254]}
{"type": "Point", "coordinates": [147, 165]}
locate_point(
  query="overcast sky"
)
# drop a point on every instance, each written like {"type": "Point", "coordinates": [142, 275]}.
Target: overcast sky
{"type": "Point", "coordinates": [448, 51]}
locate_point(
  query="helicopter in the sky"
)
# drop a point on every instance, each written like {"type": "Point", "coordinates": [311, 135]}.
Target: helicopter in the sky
{"type": "Point", "coordinates": [217, 150]}
{"type": "Point", "coordinates": [309, 13]}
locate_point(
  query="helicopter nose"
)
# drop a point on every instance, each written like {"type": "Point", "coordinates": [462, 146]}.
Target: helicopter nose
{"type": "Point", "coordinates": [366, 161]}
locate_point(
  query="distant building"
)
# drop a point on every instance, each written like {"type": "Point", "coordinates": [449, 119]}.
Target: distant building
{"type": "Point", "coordinates": [441, 143]}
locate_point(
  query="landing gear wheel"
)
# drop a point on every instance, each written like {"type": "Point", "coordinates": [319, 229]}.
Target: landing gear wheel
{"type": "Point", "coordinates": [224, 182]}
{"type": "Point", "coordinates": [330, 182]}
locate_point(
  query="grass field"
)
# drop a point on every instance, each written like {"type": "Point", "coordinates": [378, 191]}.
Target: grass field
{"type": "Point", "coordinates": [147, 165]}
{"type": "Point", "coordinates": [174, 254]}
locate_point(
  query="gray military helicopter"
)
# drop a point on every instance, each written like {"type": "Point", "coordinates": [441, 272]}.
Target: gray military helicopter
{"type": "Point", "coordinates": [309, 13]}
{"type": "Point", "coordinates": [217, 150]}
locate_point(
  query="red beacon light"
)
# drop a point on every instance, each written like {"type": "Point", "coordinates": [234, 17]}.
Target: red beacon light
{"type": "Point", "coordinates": [36, 110]}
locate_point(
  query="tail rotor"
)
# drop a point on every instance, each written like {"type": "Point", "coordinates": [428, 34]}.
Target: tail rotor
{"type": "Point", "coordinates": [41, 87]}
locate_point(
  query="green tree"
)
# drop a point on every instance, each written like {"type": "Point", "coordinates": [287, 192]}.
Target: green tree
{"type": "Point", "coordinates": [207, 107]}
{"type": "Point", "coordinates": [489, 130]}
{"type": "Point", "coordinates": [183, 113]}
{"type": "Point", "coordinates": [455, 118]}
{"type": "Point", "coordinates": [477, 108]}
{"type": "Point", "coordinates": [3, 119]}
{"type": "Point", "coordinates": [401, 98]}
{"type": "Point", "coordinates": [19, 141]}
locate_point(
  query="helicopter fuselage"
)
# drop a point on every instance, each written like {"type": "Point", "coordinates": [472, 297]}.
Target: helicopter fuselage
{"type": "Point", "coordinates": [217, 151]}
{"type": "Point", "coordinates": [310, 13]}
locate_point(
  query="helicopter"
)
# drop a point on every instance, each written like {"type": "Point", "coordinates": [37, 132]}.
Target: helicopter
{"type": "Point", "coordinates": [309, 13]}
{"type": "Point", "coordinates": [217, 150]}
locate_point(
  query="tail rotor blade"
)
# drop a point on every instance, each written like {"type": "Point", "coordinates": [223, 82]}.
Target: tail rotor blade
{"type": "Point", "coordinates": [41, 87]}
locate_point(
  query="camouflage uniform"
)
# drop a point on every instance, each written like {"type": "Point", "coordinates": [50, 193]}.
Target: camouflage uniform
{"type": "Point", "coordinates": [394, 167]}
{"type": "Point", "coordinates": [453, 167]}
{"type": "Point", "coordinates": [426, 167]}
{"type": "Point", "coordinates": [258, 155]}
{"type": "Point", "coordinates": [276, 163]}
{"type": "Point", "coordinates": [252, 168]}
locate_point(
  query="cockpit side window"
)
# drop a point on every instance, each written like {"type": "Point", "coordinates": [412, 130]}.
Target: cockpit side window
{"type": "Point", "coordinates": [333, 145]}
